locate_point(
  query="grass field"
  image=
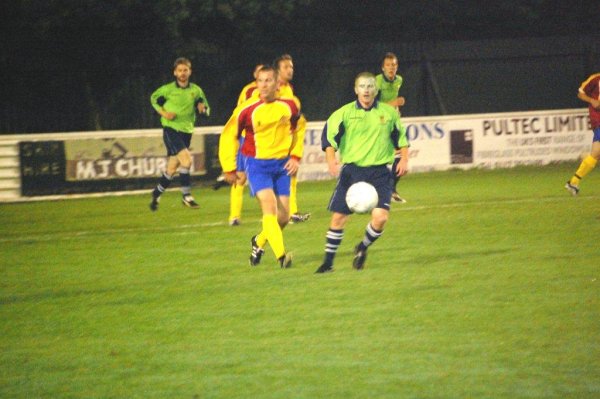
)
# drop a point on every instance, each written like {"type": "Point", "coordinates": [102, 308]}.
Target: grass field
{"type": "Point", "coordinates": [484, 285]}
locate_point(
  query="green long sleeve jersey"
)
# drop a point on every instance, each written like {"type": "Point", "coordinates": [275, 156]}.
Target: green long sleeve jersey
{"type": "Point", "coordinates": [388, 89]}
{"type": "Point", "coordinates": [182, 101]}
{"type": "Point", "coordinates": [365, 137]}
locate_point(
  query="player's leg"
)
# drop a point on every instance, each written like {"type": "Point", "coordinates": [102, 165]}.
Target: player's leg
{"type": "Point", "coordinates": [586, 166]}
{"type": "Point", "coordinates": [236, 200]}
{"type": "Point", "coordinates": [236, 195]}
{"type": "Point", "coordinates": [293, 198]}
{"type": "Point", "coordinates": [268, 180]}
{"type": "Point", "coordinates": [173, 144]}
{"type": "Point", "coordinates": [184, 156]}
{"type": "Point", "coordinates": [373, 231]}
{"type": "Point", "coordinates": [340, 213]}
{"type": "Point", "coordinates": [270, 223]}
{"type": "Point", "coordinates": [395, 196]}
{"type": "Point", "coordinates": [379, 216]}
{"type": "Point", "coordinates": [295, 216]}
{"type": "Point", "coordinates": [333, 240]}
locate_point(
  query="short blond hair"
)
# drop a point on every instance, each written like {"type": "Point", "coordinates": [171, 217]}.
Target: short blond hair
{"type": "Point", "coordinates": [367, 75]}
{"type": "Point", "coordinates": [182, 60]}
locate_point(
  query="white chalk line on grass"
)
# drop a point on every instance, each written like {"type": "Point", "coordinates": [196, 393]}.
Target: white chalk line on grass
{"type": "Point", "coordinates": [404, 208]}
{"type": "Point", "coordinates": [189, 229]}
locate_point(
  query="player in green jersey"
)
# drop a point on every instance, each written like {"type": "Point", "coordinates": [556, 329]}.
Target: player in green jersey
{"type": "Point", "coordinates": [366, 133]}
{"type": "Point", "coordinates": [388, 84]}
{"type": "Point", "coordinates": [177, 103]}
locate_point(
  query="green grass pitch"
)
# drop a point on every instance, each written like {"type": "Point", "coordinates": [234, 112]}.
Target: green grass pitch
{"type": "Point", "coordinates": [484, 285]}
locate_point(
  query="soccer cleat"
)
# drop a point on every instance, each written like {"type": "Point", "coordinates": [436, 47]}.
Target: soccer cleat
{"type": "Point", "coordinates": [285, 261]}
{"type": "Point", "coordinates": [154, 203]}
{"type": "Point", "coordinates": [359, 258]}
{"type": "Point", "coordinates": [299, 217]}
{"type": "Point", "coordinates": [220, 182]}
{"type": "Point", "coordinates": [397, 198]}
{"type": "Point", "coordinates": [325, 268]}
{"type": "Point", "coordinates": [256, 254]}
{"type": "Point", "coordinates": [188, 201]}
{"type": "Point", "coordinates": [574, 190]}
{"type": "Point", "coordinates": [235, 222]}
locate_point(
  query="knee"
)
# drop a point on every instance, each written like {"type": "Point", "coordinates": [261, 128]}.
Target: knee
{"type": "Point", "coordinates": [283, 219]}
{"type": "Point", "coordinates": [185, 163]}
{"type": "Point", "coordinates": [338, 221]}
{"type": "Point", "coordinates": [379, 219]}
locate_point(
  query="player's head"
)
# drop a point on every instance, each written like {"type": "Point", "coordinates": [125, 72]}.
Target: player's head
{"type": "Point", "coordinates": [285, 66]}
{"type": "Point", "coordinates": [389, 65]}
{"type": "Point", "coordinates": [365, 88]}
{"type": "Point", "coordinates": [256, 69]}
{"type": "Point", "coordinates": [267, 83]}
{"type": "Point", "coordinates": [182, 69]}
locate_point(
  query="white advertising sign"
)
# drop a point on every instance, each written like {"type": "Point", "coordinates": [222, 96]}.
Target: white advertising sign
{"type": "Point", "coordinates": [500, 140]}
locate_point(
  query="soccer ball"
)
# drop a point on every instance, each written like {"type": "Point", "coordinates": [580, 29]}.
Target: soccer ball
{"type": "Point", "coordinates": [361, 197]}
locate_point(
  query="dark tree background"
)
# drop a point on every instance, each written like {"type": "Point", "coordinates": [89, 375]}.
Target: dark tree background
{"type": "Point", "coordinates": [73, 65]}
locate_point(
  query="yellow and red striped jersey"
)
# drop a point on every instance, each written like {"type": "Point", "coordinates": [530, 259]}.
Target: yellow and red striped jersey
{"type": "Point", "coordinates": [591, 87]}
{"type": "Point", "coordinates": [270, 129]}
{"type": "Point", "coordinates": [248, 91]}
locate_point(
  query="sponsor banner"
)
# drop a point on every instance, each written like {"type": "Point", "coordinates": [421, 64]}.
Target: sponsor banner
{"type": "Point", "coordinates": [531, 138]}
{"type": "Point", "coordinates": [42, 165]}
{"type": "Point", "coordinates": [115, 161]}
{"type": "Point", "coordinates": [83, 163]}
{"type": "Point", "coordinates": [483, 141]}
{"type": "Point", "coordinates": [313, 165]}
{"type": "Point", "coordinates": [124, 158]}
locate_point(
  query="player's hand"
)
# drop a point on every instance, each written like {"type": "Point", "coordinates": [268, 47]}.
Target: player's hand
{"type": "Point", "coordinates": [169, 115]}
{"type": "Point", "coordinates": [201, 108]}
{"type": "Point", "coordinates": [402, 167]}
{"type": "Point", "coordinates": [595, 104]}
{"type": "Point", "coordinates": [241, 178]}
{"type": "Point", "coordinates": [291, 166]}
{"type": "Point", "coordinates": [400, 101]}
{"type": "Point", "coordinates": [333, 167]}
{"type": "Point", "coordinates": [231, 177]}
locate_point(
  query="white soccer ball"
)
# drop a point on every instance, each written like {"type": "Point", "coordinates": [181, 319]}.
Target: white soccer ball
{"type": "Point", "coordinates": [361, 197]}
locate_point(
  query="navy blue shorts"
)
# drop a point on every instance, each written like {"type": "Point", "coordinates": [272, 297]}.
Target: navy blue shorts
{"type": "Point", "coordinates": [378, 176]}
{"type": "Point", "coordinates": [175, 141]}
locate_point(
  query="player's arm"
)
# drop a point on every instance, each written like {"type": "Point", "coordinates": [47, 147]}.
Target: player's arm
{"type": "Point", "coordinates": [330, 140]}
{"type": "Point", "coordinates": [397, 102]}
{"type": "Point", "coordinates": [157, 100]}
{"type": "Point", "coordinates": [229, 145]}
{"type": "Point", "coordinates": [202, 104]}
{"type": "Point", "coordinates": [584, 97]}
{"type": "Point", "coordinates": [298, 146]}
{"type": "Point", "coordinates": [401, 144]}
{"type": "Point", "coordinates": [333, 165]}
{"type": "Point", "coordinates": [298, 126]}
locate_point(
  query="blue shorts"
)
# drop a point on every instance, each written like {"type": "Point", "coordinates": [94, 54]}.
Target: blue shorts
{"type": "Point", "coordinates": [379, 176]}
{"type": "Point", "coordinates": [268, 174]}
{"type": "Point", "coordinates": [241, 159]}
{"type": "Point", "coordinates": [596, 134]}
{"type": "Point", "coordinates": [176, 141]}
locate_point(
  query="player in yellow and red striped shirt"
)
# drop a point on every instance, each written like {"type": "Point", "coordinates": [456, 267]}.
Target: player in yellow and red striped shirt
{"type": "Point", "coordinates": [270, 124]}
{"type": "Point", "coordinates": [589, 91]}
